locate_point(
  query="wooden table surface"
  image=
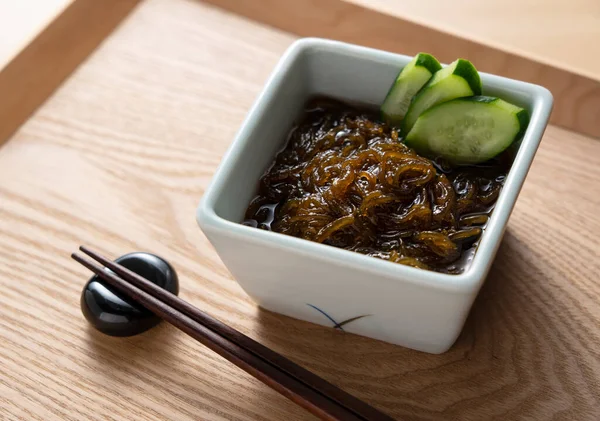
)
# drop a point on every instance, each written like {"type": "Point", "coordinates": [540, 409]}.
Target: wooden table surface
{"type": "Point", "coordinates": [119, 157]}
{"type": "Point", "coordinates": [536, 41]}
{"type": "Point", "coordinates": [556, 32]}
{"type": "Point", "coordinates": [41, 43]}
{"type": "Point", "coordinates": [22, 21]}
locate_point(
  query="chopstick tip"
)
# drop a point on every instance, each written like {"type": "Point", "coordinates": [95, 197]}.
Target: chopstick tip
{"type": "Point", "coordinates": [77, 257]}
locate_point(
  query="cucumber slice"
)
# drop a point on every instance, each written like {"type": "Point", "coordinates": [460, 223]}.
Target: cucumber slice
{"type": "Point", "coordinates": [408, 82]}
{"type": "Point", "coordinates": [458, 79]}
{"type": "Point", "coordinates": [468, 130]}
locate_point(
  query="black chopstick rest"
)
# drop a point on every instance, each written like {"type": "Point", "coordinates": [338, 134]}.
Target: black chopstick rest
{"type": "Point", "coordinates": [304, 388]}
{"type": "Point", "coordinates": [114, 314]}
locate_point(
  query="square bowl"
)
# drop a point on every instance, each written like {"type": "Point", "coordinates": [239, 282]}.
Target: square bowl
{"type": "Point", "coordinates": [415, 308]}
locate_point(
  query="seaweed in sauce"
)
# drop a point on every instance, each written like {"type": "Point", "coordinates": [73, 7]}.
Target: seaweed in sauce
{"type": "Point", "coordinates": [345, 179]}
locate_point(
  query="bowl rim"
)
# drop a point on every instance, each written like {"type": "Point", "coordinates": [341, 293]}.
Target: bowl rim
{"type": "Point", "coordinates": [470, 279]}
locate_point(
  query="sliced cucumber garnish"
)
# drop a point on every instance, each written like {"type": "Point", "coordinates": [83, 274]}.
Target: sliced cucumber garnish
{"type": "Point", "coordinates": [408, 82]}
{"type": "Point", "coordinates": [468, 130]}
{"type": "Point", "coordinates": [458, 79]}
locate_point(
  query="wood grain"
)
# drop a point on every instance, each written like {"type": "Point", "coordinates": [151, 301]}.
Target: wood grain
{"type": "Point", "coordinates": [118, 159]}
{"type": "Point", "coordinates": [554, 32]}
{"type": "Point", "coordinates": [403, 28]}
{"type": "Point", "coordinates": [41, 43]}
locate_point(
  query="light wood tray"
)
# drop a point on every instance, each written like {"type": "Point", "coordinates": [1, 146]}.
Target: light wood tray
{"type": "Point", "coordinates": [41, 43]}
{"type": "Point", "coordinates": [552, 43]}
{"type": "Point", "coordinates": [118, 158]}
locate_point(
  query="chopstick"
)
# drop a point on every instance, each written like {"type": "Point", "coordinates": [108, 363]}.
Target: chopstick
{"type": "Point", "coordinates": [303, 387]}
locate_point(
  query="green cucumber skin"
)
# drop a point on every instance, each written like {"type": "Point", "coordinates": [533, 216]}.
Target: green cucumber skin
{"type": "Point", "coordinates": [392, 109]}
{"type": "Point", "coordinates": [523, 117]}
{"type": "Point", "coordinates": [507, 121]}
{"type": "Point", "coordinates": [463, 70]}
{"type": "Point", "coordinates": [429, 62]}
{"type": "Point", "coordinates": [468, 72]}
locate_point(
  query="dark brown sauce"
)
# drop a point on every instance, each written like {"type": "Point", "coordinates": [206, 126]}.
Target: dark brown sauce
{"type": "Point", "coordinates": [346, 179]}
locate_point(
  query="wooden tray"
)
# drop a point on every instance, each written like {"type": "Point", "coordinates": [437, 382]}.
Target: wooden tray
{"type": "Point", "coordinates": [41, 43]}
{"type": "Point", "coordinates": [551, 43]}
{"type": "Point", "coordinates": [118, 158]}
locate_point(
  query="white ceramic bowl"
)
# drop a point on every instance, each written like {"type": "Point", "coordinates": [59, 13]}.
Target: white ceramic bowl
{"type": "Point", "coordinates": [415, 308]}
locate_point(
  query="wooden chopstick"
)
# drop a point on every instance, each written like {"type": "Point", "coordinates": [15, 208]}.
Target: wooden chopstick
{"type": "Point", "coordinates": [294, 390]}
{"type": "Point", "coordinates": [333, 392]}
{"type": "Point", "coordinates": [298, 384]}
